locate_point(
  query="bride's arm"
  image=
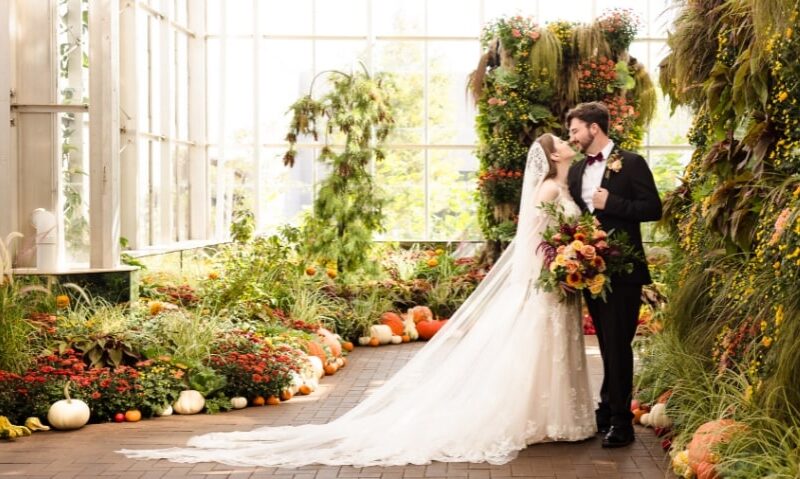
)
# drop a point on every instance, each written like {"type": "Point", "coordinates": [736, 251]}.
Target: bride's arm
{"type": "Point", "coordinates": [547, 192]}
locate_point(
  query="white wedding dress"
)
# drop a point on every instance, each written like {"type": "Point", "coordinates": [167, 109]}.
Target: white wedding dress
{"type": "Point", "coordinates": [508, 370]}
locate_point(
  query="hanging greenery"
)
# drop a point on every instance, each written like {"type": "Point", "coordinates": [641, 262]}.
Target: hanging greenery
{"type": "Point", "coordinates": [355, 117]}
{"type": "Point", "coordinates": [735, 222]}
{"type": "Point", "coordinates": [527, 79]}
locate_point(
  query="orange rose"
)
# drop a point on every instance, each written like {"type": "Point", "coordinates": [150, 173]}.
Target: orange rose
{"type": "Point", "coordinates": [572, 266]}
{"type": "Point", "coordinates": [574, 280]}
{"type": "Point", "coordinates": [599, 235]}
{"type": "Point", "coordinates": [599, 263]}
{"type": "Point", "coordinates": [588, 252]}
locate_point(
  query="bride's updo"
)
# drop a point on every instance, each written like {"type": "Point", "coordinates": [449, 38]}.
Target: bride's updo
{"type": "Point", "coordinates": [549, 147]}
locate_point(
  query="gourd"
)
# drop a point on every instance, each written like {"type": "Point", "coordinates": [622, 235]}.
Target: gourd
{"type": "Point", "coordinates": [420, 313]}
{"type": "Point", "coordinates": [658, 416]}
{"type": "Point", "coordinates": [68, 413]}
{"type": "Point", "coordinates": [239, 402]}
{"type": "Point", "coordinates": [394, 322]}
{"type": "Point", "coordinates": [382, 332]}
{"type": "Point", "coordinates": [189, 402]}
{"type": "Point", "coordinates": [427, 329]}
{"type": "Point", "coordinates": [410, 328]}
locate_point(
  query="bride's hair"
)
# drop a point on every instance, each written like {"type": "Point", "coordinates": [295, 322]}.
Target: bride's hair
{"type": "Point", "coordinates": [549, 147]}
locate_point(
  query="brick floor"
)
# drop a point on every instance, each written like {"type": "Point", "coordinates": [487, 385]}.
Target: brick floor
{"type": "Point", "coordinates": [89, 452]}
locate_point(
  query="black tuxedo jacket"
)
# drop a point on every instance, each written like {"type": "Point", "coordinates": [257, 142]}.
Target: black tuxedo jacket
{"type": "Point", "coordinates": [632, 199]}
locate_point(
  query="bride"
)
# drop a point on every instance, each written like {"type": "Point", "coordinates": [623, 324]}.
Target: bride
{"type": "Point", "coordinates": [508, 370]}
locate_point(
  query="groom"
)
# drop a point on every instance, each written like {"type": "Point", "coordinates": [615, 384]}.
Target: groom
{"type": "Point", "coordinates": [617, 187]}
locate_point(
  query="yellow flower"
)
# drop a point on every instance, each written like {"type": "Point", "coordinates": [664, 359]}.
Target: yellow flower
{"type": "Point", "coordinates": [766, 341]}
{"type": "Point", "coordinates": [782, 96]}
{"type": "Point", "coordinates": [779, 315]}
{"type": "Point", "coordinates": [596, 284]}
{"type": "Point", "coordinates": [575, 280]}
{"type": "Point", "coordinates": [560, 260]}
{"type": "Point", "coordinates": [577, 245]}
{"type": "Point", "coordinates": [62, 301]}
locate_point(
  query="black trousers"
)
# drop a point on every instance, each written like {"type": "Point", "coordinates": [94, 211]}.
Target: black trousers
{"type": "Point", "coordinates": [615, 324]}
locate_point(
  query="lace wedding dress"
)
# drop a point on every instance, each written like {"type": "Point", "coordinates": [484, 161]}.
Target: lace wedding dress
{"type": "Point", "coordinates": [508, 370]}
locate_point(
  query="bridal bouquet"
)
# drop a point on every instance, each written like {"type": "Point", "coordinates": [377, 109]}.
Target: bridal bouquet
{"type": "Point", "coordinates": [579, 255]}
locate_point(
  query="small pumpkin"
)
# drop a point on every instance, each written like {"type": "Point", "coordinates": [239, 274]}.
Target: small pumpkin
{"type": "Point", "coordinates": [707, 437]}
{"type": "Point", "coordinates": [406, 338]}
{"type": "Point", "coordinates": [364, 340]}
{"type": "Point", "coordinates": [239, 402]}
{"type": "Point", "coordinates": [420, 313]}
{"type": "Point", "coordinates": [304, 390]}
{"type": "Point", "coordinates": [347, 346]}
{"type": "Point", "coordinates": [706, 470]}
{"type": "Point", "coordinates": [374, 342]}
{"type": "Point", "coordinates": [68, 413]}
{"type": "Point", "coordinates": [165, 411]}
{"type": "Point", "coordinates": [397, 339]}
{"type": "Point", "coordinates": [658, 416]}
{"type": "Point", "coordinates": [382, 332]}
{"type": "Point", "coordinates": [273, 401]}
{"type": "Point", "coordinates": [189, 402]}
{"type": "Point", "coordinates": [133, 415]}
{"type": "Point", "coordinates": [286, 395]}
{"type": "Point", "coordinates": [331, 340]}
{"type": "Point", "coordinates": [637, 415]}
{"type": "Point", "coordinates": [427, 329]}
{"type": "Point", "coordinates": [259, 401]}
{"type": "Point", "coordinates": [393, 321]}
{"type": "Point", "coordinates": [330, 369]}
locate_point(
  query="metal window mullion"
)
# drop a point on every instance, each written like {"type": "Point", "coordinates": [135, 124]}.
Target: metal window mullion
{"type": "Point", "coordinates": [199, 198]}
{"type": "Point", "coordinates": [220, 97]}
{"type": "Point", "coordinates": [167, 158]}
{"type": "Point", "coordinates": [258, 196]}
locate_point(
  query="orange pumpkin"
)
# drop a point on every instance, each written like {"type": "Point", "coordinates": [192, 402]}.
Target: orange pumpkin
{"type": "Point", "coordinates": [330, 369]}
{"type": "Point", "coordinates": [373, 341]}
{"type": "Point", "coordinates": [347, 346]}
{"type": "Point", "coordinates": [315, 349]}
{"type": "Point", "coordinates": [285, 395]}
{"type": "Point", "coordinates": [330, 340]}
{"type": "Point", "coordinates": [707, 437]}
{"type": "Point", "coordinates": [427, 329]}
{"type": "Point", "coordinates": [258, 401]}
{"type": "Point", "coordinates": [421, 313]}
{"type": "Point", "coordinates": [133, 415]}
{"type": "Point", "coordinates": [637, 415]}
{"type": "Point", "coordinates": [273, 401]}
{"type": "Point", "coordinates": [393, 321]}
{"type": "Point", "coordinates": [304, 390]}
{"type": "Point", "coordinates": [706, 470]}
{"type": "Point", "coordinates": [406, 338]}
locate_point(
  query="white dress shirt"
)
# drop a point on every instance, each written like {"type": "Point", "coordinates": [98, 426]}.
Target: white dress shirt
{"type": "Point", "coordinates": [593, 176]}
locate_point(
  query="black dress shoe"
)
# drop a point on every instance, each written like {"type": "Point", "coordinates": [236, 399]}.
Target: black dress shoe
{"type": "Point", "coordinates": [602, 429]}
{"type": "Point", "coordinates": [618, 437]}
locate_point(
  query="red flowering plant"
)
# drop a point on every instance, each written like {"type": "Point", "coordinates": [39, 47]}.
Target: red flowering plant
{"type": "Point", "coordinates": [579, 255]}
{"type": "Point", "coordinates": [622, 117]}
{"type": "Point", "coordinates": [252, 366]}
{"type": "Point", "coordinates": [517, 34]}
{"type": "Point", "coordinates": [596, 78]}
{"type": "Point", "coordinates": [619, 26]}
{"type": "Point", "coordinates": [501, 184]}
{"type": "Point", "coordinates": [161, 382]}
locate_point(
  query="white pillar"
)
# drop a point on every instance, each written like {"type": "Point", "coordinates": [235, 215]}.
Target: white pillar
{"type": "Point", "coordinates": [104, 135]}
{"type": "Point", "coordinates": [8, 164]}
{"type": "Point", "coordinates": [199, 198]}
{"type": "Point", "coordinates": [130, 123]}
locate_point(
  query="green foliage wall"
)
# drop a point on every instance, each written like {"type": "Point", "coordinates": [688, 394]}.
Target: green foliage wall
{"type": "Point", "coordinates": [528, 78]}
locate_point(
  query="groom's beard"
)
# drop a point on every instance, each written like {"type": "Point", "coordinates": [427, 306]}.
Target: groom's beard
{"type": "Point", "coordinates": [585, 145]}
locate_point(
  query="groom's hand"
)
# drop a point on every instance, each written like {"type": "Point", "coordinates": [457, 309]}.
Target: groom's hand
{"type": "Point", "coordinates": [599, 198]}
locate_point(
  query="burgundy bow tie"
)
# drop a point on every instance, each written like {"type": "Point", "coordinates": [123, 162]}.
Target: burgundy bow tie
{"type": "Point", "coordinates": [593, 158]}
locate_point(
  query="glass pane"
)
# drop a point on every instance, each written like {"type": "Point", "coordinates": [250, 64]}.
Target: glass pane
{"type": "Point", "coordinates": [237, 100]}
{"type": "Point", "coordinates": [342, 55]}
{"type": "Point", "coordinates": [142, 72]}
{"type": "Point", "coordinates": [453, 209]}
{"type": "Point", "coordinates": [401, 176]}
{"type": "Point", "coordinates": [239, 17]}
{"type": "Point", "coordinates": [666, 129]}
{"type": "Point", "coordinates": [73, 51]}
{"type": "Point", "coordinates": [661, 15]}
{"type": "Point", "coordinates": [399, 17]}
{"type": "Point", "coordinates": [451, 114]}
{"type": "Point", "coordinates": [154, 182]}
{"type": "Point", "coordinates": [550, 11]}
{"type": "Point", "coordinates": [499, 8]}
{"type": "Point", "coordinates": [73, 135]}
{"type": "Point", "coordinates": [181, 86]}
{"type": "Point", "coordinates": [278, 92]}
{"type": "Point", "coordinates": [286, 192]}
{"type": "Point", "coordinates": [667, 167]}
{"type": "Point", "coordinates": [181, 192]}
{"type": "Point", "coordinates": [342, 17]}
{"type": "Point", "coordinates": [181, 13]}
{"type": "Point", "coordinates": [214, 16]}
{"type": "Point", "coordinates": [214, 103]}
{"type": "Point", "coordinates": [279, 17]}
{"type": "Point", "coordinates": [658, 51]}
{"type": "Point", "coordinates": [154, 65]}
{"type": "Point", "coordinates": [406, 60]}
{"type": "Point", "coordinates": [143, 200]}
{"type": "Point", "coordinates": [448, 19]}
{"type": "Point", "coordinates": [231, 185]}
{"type": "Point", "coordinates": [640, 50]}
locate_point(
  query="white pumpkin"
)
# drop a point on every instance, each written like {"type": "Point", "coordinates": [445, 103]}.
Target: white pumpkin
{"type": "Point", "coordinates": [658, 416]}
{"type": "Point", "coordinates": [239, 402]}
{"type": "Point", "coordinates": [410, 328]}
{"type": "Point", "coordinates": [645, 419]}
{"type": "Point", "coordinates": [340, 362]}
{"type": "Point", "coordinates": [68, 413]}
{"type": "Point", "coordinates": [189, 402]}
{"type": "Point", "coordinates": [316, 364]}
{"type": "Point", "coordinates": [364, 341]}
{"type": "Point", "coordinates": [397, 339]}
{"type": "Point", "coordinates": [382, 332]}
{"type": "Point", "coordinates": [167, 411]}
{"type": "Point", "coordinates": [297, 381]}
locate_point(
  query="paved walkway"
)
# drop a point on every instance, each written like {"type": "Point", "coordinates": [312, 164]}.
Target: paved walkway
{"type": "Point", "coordinates": [89, 452]}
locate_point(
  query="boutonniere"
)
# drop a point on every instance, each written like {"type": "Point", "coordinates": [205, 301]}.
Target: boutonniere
{"type": "Point", "coordinates": [614, 164]}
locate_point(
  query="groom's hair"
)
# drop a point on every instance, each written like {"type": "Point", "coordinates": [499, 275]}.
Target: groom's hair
{"type": "Point", "coordinates": [591, 112]}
